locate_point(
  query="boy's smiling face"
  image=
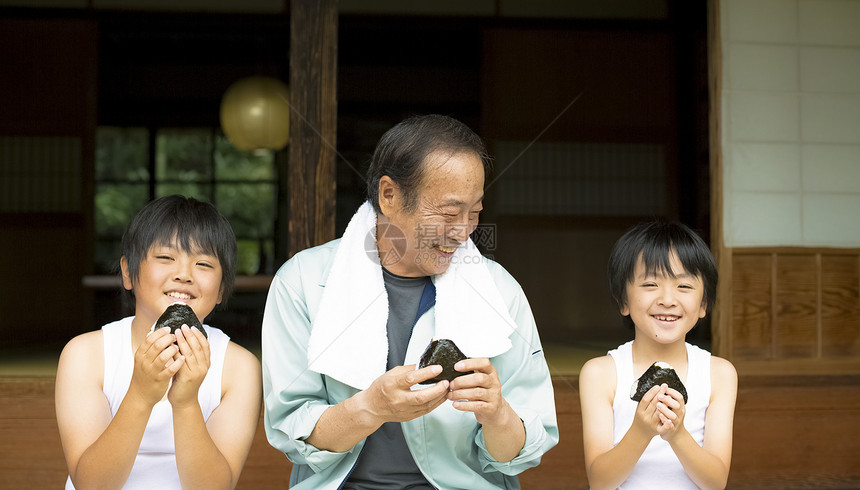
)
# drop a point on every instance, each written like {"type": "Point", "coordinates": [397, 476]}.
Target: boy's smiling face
{"type": "Point", "coordinates": [167, 275]}
{"type": "Point", "coordinates": [662, 307]}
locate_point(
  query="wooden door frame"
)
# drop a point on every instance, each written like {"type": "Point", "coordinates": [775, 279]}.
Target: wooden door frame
{"type": "Point", "coordinates": [721, 311]}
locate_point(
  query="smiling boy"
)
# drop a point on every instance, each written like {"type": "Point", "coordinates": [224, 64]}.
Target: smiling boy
{"type": "Point", "coordinates": [149, 409]}
{"type": "Point", "coordinates": [664, 280]}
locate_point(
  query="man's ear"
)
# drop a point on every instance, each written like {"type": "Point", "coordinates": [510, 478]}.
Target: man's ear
{"type": "Point", "coordinates": [126, 278]}
{"type": "Point", "coordinates": [389, 194]}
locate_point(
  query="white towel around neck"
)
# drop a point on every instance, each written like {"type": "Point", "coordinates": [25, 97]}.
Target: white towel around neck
{"type": "Point", "coordinates": [348, 339]}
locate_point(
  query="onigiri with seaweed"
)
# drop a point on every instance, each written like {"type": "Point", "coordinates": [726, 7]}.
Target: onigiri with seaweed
{"type": "Point", "coordinates": [176, 315]}
{"type": "Point", "coordinates": [657, 374]}
{"type": "Point", "coordinates": [445, 353]}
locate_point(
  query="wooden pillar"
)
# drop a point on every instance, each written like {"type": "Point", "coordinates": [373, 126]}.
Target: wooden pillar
{"type": "Point", "coordinates": [313, 123]}
{"type": "Point", "coordinates": [721, 313]}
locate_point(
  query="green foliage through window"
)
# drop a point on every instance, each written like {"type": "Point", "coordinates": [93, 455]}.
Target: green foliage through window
{"type": "Point", "coordinates": [195, 162]}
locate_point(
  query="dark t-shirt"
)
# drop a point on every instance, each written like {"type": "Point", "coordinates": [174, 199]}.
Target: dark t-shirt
{"type": "Point", "coordinates": [385, 461]}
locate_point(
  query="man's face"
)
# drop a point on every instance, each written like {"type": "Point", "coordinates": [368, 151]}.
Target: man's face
{"type": "Point", "coordinates": [422, 242]}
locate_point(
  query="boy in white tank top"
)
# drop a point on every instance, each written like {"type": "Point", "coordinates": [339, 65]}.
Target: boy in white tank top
{"type": "Point", "coordinates": [664, 279]}
{"type": "Point", "coordinates": [152, 409]}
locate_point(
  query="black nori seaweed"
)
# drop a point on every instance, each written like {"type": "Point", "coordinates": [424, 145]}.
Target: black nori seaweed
{"type": "Point", "coordinates": [178, 314]}
{"type": "Point", "coordinates": [445, 353]}
{"type": "Point", "coordinates": [656, 375]}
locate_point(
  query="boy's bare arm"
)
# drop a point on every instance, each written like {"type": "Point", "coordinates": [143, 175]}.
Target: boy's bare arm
{"type": "Point", "coordinates": [608, 466]}
{"type": "Point", "coordinates": [708, 465]}
{"type": "Point", "coordinates": [211, 454]}
{"type": "Point", "coordinates": [100, 450]}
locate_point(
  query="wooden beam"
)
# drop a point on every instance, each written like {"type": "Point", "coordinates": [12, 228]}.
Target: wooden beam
{"type": "Point", "coordinates": [313, 123]}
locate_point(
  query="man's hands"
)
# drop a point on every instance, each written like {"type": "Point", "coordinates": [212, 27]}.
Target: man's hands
{"type": "Point", "coordinates": [390, 398]}
{"type": "Point", "coordinates": [479, 392]}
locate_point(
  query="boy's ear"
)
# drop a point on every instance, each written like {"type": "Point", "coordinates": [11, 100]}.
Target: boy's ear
{"type": "Point", "coordinates": [622, 306]}
{"type": "Point", "coordinates": [703, 309]}
{"type": "Point", "coordinates": [126, 278]}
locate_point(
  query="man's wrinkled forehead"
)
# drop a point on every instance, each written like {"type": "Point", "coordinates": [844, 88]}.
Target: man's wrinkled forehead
{"type": "Point", "coordinates": [459, 203]}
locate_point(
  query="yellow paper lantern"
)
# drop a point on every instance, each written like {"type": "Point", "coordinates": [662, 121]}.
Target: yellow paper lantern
{"type": "Point", "coordinates": [255, 114]}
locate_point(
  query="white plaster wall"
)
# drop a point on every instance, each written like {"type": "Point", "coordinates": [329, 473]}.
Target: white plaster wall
{"type": "Point", "coordinates": [791, 122]}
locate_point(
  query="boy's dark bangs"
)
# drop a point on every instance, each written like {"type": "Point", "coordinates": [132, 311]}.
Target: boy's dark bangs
{"type": "Point", "coordinates": [186, 237]}
{"type": "Point", "coordinates": [656, 256]}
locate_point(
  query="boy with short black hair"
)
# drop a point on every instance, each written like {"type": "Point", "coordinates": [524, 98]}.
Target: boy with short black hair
{"type": "Point", "coordinates": [663, 278]}
{"type": "Point", "coordinates": [143, 408]}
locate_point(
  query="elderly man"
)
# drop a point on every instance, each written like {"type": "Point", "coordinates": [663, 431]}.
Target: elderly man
{"type": "Point", "coordinates": [346, 322]}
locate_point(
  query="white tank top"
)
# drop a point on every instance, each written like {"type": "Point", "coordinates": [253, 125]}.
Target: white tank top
{"type": "Point", "coordinates": [155, 464]}
{"type": "Point", "coordinates": [659, 467]}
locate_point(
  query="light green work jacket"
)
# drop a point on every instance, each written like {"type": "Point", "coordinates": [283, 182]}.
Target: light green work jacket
{"type": "Point", "coordinates": [446, 444]}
